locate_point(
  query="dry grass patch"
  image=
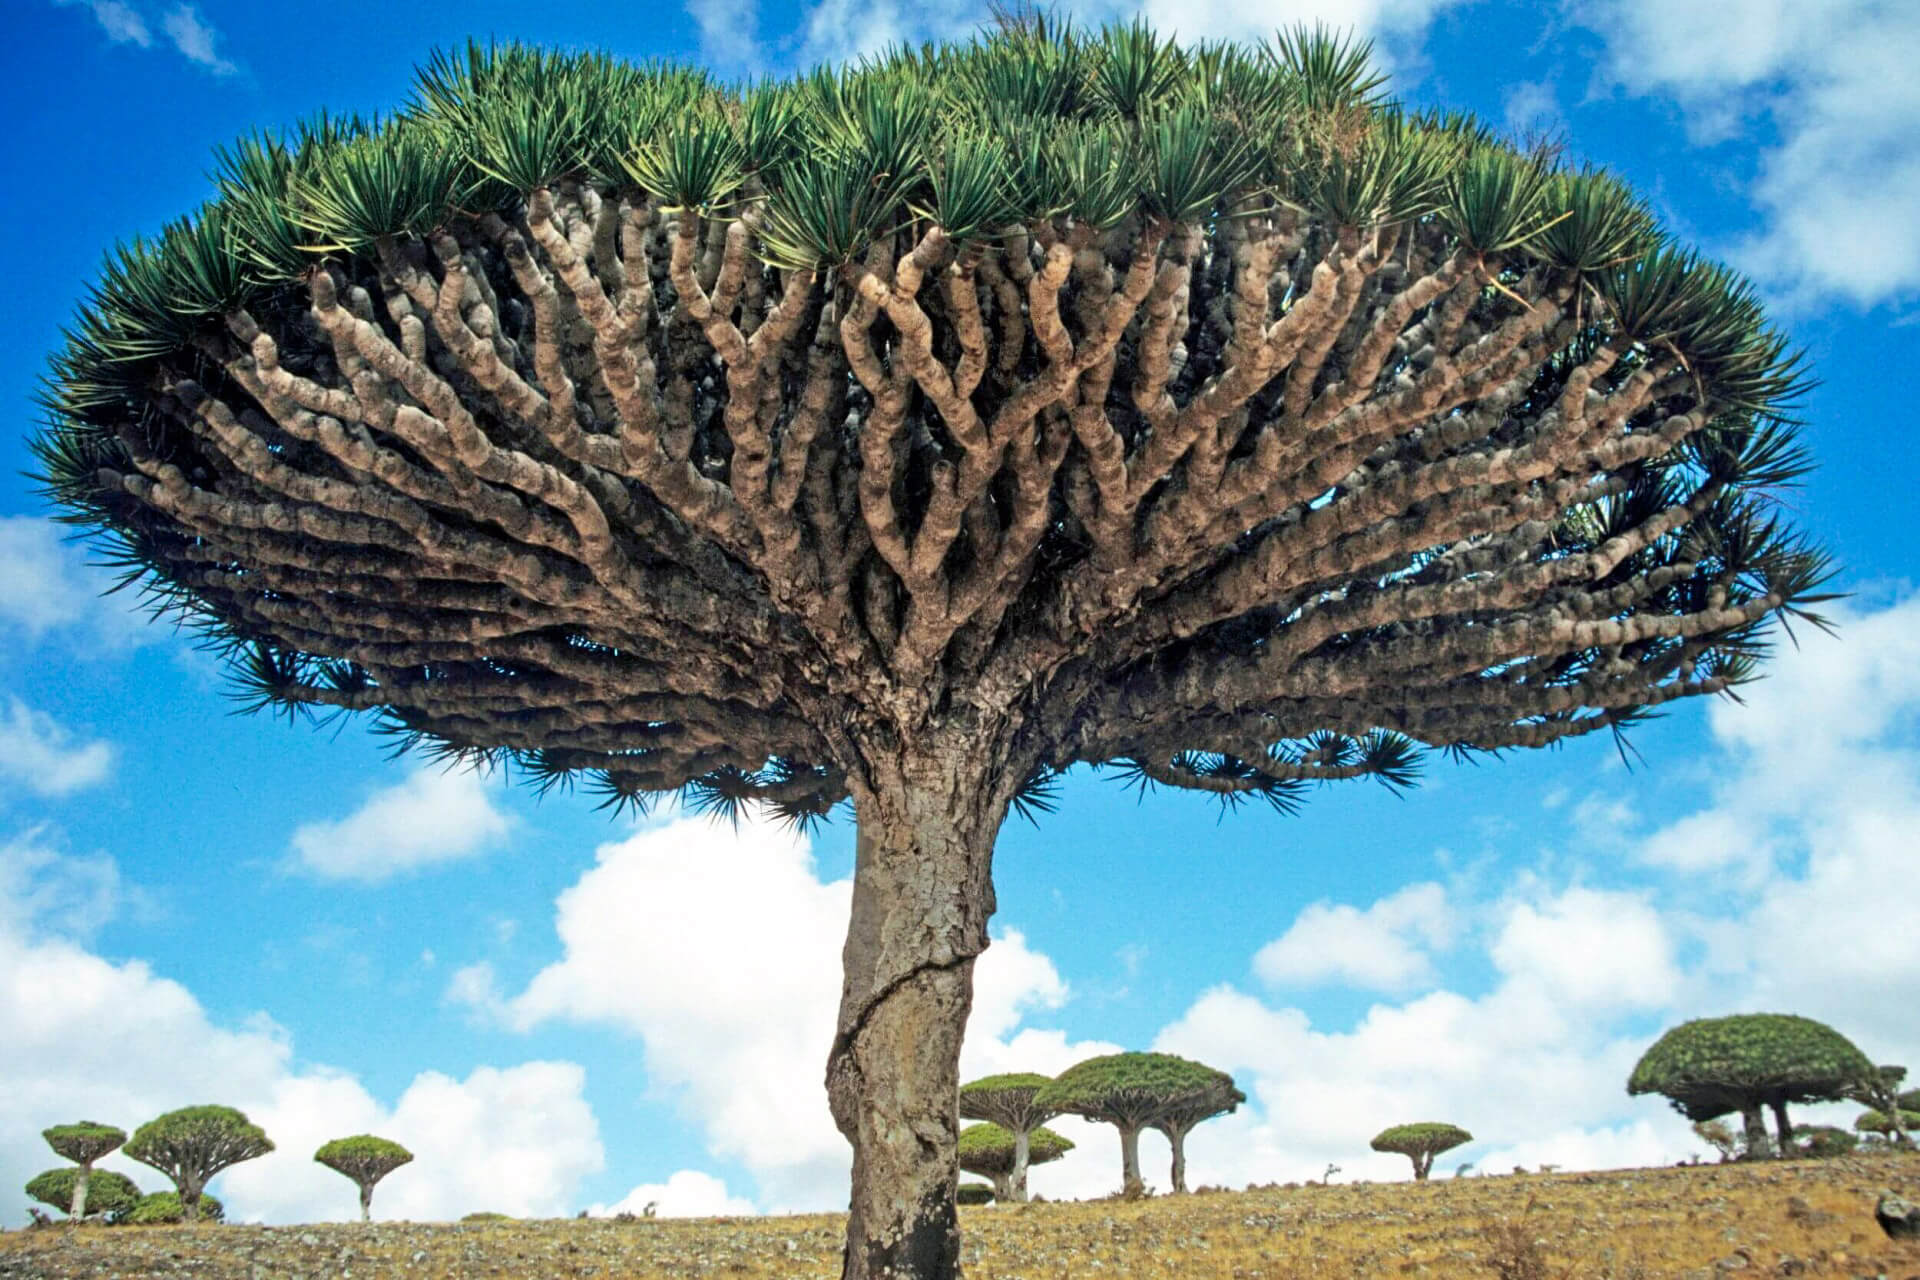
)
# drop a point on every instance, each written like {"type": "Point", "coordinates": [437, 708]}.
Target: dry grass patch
{"type": "Point", "coordinates": [1731, 1222]}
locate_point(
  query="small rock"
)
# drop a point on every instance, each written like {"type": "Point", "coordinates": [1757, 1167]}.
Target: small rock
{"type": "Point", "coordinates": [1900, 1219]}
{"type": "Point", "coordinates": [1737, 1261]}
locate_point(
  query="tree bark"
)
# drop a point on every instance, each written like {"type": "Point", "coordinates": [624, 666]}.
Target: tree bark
{"type": "Point", "coordinates": [1130, 1181]}
{"type": "Point", "coordinates": [79, 1209]}
{"type": "Point", "coordinates": [1756, 1131]}
{"type": "Point", "coordinates": [1785, 1128]}
{"type": "Point", "coordinates": [1177, 1139]}
{"type": "Point", "coordinates": [1018, 1179]}
{"type": "Point", "coordinates": [922, 894]}
{"type": "Point", "coordinates": [366, 1202]}
{"type": "Point", "coordinates": [1422, 1166]}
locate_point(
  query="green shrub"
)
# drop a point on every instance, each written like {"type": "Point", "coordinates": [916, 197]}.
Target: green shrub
{"type": "Point", "coordinates": [974, 1193]}
{"type": "Point", "coordinates": [1823, 1141]}
{"type": "Point", "coordinates": [165, 1207]}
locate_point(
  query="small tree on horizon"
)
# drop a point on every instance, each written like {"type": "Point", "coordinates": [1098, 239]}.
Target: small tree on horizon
{"type": "Point", "coordinates": [1008, 1101]}
{"type": "Point", "coordinates": [1881, 1094]}
{"type": "Point", "coordinates": [1420, 1143]}
{"type": "Point", "coordinates": [193, 1144]}
{"type": "Point", "coordinates": [365, 1159]}
{"type": "Point", "coordinates": [110, 1192]}
{"type": "Point", "coordinates": [1711, 1067]}
{"type": "Point", "coordinates": [911, 432]}
{"type": "Point", "coordinates": [83, 1143]}
{"type": "Point", "coordinates": [989, 1150]}
{"type": "Point", "coordinates": [1885, 1124]}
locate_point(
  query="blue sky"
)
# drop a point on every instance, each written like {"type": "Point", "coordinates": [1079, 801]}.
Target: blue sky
{"type": "Point", "coordinates": [557, 1011]}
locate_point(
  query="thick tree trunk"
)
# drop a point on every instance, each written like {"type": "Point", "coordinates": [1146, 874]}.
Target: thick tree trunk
{"type": "Point", "coordinates": [1785, 1128]}
{"type": "Point", "coordinates": [1130, 1181]}
{"type": "Point", "coordinates": [922, 894]}
{"type": "Point", "coordinates": [1177, 1139]}
{"type": "Point", "coordinates": [366, 1202]}
{"type": "Point", "coordinates": [1422, 1166]}
{"type": "Point", "coordinates": [1756, 1131]}
{"type": "Point", "coordinates": [1018, 1180]}
{"type": "Point", "coordinates": [1003, 1188]}
{"type": "Point", "coordinates": [79, 1209]}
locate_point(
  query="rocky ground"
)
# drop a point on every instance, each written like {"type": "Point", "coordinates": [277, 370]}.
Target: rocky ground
{"type": "Point", "coordinates": [1733, 1222]}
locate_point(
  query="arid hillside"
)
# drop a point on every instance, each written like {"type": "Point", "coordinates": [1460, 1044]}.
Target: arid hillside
{"type": "Point", "coordinates": [1714, 1222]}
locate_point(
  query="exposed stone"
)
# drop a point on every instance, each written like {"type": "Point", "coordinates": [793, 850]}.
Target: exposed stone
{"type": "Point", "coordinates": [1899, 1218]}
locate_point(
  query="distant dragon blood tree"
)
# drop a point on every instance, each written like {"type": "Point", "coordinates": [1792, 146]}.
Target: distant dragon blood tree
{"type": "Point", "coordinates": [1420, 1143]}
{"type": "Point", "coordinates": [1711, 1067]}
{"type": "Point", "coordinates": [83, 1143]}
{"type": "Point", "coordinates": [913, 431]}
{"type": "Point", "coordinates": [365, 1159]}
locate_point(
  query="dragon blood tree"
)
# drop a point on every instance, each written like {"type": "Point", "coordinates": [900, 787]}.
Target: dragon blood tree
{"type": "Point", "coordinates": [1711, 1067]}
{"type": "Point", "coordinates": [365, 1159]}
{"type": "Point", "coordinates": [83, 1143]}
{"type": "Point", "coordinates": [1420, 1143]}
{"type": "Point", "coordinates": [907, 433]}
{"type": "Point", "coordinates": [1135, 1091]}
{"type": "Point", "coordinates": [1008, 1101]}
{"type": "Point", "coordinates": [992, 1152]}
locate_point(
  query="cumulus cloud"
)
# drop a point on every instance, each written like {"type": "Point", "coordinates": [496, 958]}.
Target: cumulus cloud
{"type": "Point", "coordinates": [689, 1193]}
{"type": "Point", "coordinates": [42, 755]}
{"type": "Point", "coordinates": [113, 1040]}
{"type": "Point", "coordinates": [433, 816]}
{"type": "Point", "coordinates": [186, 30]}
{"type": "Point", "coordinates": [1838, 190]}
{"type": "Point", "coordinates": [735, 1006]}
{"type": "Point", "coordinates": [196, 41]}
{"type": "Point", "coordinates": [45, 586]}
{"type": "Point", "coordinates": [121, 22]}
{"type": "Point", "coordinates": [1384, 948]}
{"type": "Point", "coordinates": [1814, 799]}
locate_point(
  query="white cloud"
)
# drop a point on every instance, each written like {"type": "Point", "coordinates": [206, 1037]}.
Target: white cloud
{"type": "Point", "coordinates": [40, 754]}
{"type": "Point", "coordinates": [728, 32]}
{"type": "Point", "coordinates": [115, 1041]}
{"type": "Point", "coordinates": [837, 30]}
{"type": "Point", "coordinates": [45, 585]}
{"type": "Point", "coordinates": [41, 887]}
{"type": "Point", "coordinates": [195, 40]}
{"type": "Point", "coordinates": [122, 23]}
{"type": "Point", "coordinates": [1384, 948]}
{"type": "Point", "coordinates": [433, 816]}
{"type": "Point", "coordinates": [735, 1005]}
{"type": "Point", "coordinates": [1833, 79]}
{"type": "Point", "coordinates": [1590, 949]}
{"type": "Point", "coordinates": [688, 1193]}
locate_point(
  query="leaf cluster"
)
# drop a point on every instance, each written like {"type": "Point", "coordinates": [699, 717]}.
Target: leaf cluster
{"type": "Point", "coordinates": [1137, 1089]}
{"type": "Point", "coordinates": [197, 1142]}
{"type": "Point", "coordinates": [165, 1208]}
{"type": "Point", "coordinates": [364, 1158]}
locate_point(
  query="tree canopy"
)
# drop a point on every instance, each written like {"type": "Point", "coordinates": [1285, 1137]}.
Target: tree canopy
{"type": "Point", "coordinates": [84, 1142]}
{"type": "Point", "coordinates": [987, 1149]}
{"type": "Point", "coordinates": [1713, 1066]}
{"type": "Point", "coordinates": [108, 1192]}
{"type": "Point", "coordinates": [1007, 1100]}
{"type": "Point", "coordinates": [1134, 1091]}
{"type": "Point", "coordinates": [193, 1144]}
{"type": "Point", "coordinates": [1421, 1142]}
